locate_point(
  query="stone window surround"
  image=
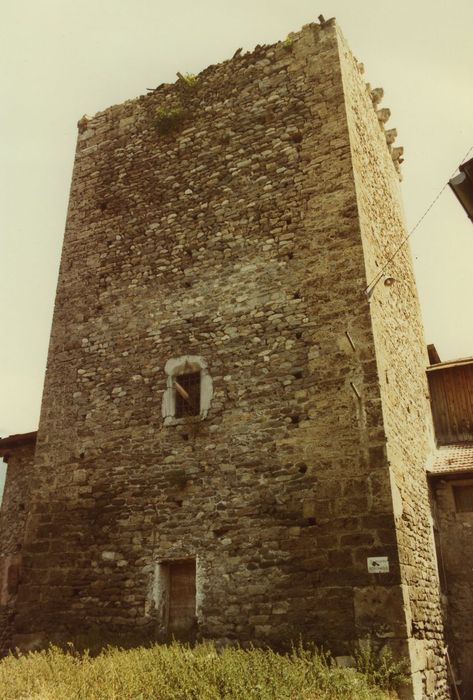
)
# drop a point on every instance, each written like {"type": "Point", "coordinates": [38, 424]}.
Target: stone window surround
{"type": "Point", "coordinates": [183, 365]}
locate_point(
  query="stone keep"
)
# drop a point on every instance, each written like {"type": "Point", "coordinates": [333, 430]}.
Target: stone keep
{"type": "Point", "coordinates": [226, 228]}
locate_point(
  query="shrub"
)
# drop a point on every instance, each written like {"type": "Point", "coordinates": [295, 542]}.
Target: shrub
{"type": "Point", "coordinates": [379, 665]}
{"type": "Point", "coordinates": [288, 41]}
{"type": "Point", "coordinates": [178, 672]}
{"type": "Point", "coordinates": [190, 80]}
{"type": "Point", "coordinates": [169, 119]}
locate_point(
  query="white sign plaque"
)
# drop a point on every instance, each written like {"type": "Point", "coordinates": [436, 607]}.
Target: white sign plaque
{"type": "Point", "coordinates": [378, 565]}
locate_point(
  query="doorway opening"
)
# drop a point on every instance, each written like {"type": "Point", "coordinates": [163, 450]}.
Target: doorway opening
{"type": "Point", "coordinates": [177, 594]}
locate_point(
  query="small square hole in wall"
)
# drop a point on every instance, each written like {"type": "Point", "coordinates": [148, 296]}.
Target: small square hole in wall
{"type": "Point", "coordinates": [187, 388]}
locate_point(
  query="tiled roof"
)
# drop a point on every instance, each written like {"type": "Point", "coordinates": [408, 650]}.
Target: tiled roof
{"type": "Point", "coordinates": [453, 459]}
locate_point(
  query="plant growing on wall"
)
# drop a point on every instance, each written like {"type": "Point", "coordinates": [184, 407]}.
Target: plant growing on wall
{"type": "Point", "coordinates": [169, 119]}
{"type": "Point", "coordinates": [189, 79]}
{"type": "Point", "coordinates": [288, 41]}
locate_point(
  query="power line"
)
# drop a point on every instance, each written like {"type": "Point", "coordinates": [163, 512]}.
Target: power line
{"type": "Point", "coordinates": [379, 274]}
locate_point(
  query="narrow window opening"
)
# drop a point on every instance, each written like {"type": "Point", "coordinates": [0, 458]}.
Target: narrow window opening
{"type": "Point", "coordinates": [463, 498]}
{"type": "Point", "coordinates": [13, 578]}
{"type": "Point", "coordinates": [187, 387]}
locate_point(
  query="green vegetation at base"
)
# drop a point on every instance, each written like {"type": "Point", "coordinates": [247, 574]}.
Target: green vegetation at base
{"type": "Point", "coordinates": [178, 672]}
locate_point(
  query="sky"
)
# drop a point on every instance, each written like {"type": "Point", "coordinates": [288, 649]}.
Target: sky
{"type": "Point", "coordinates": [62, 59]}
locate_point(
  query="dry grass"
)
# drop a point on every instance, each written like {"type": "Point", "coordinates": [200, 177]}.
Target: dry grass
{"type": "Point", "coordinates": [177, 672]}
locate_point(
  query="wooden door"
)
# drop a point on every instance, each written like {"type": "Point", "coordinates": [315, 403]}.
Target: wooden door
{"type": "Point", "coordinates": [181, 620]}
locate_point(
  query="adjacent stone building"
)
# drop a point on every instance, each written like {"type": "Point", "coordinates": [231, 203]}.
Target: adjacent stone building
{"type": "Point", "coordinates": [451, 481]}
{"type": "Point", "coordinates": [234, 434]}
{"type": "Point", "coordinates": [18, 453]}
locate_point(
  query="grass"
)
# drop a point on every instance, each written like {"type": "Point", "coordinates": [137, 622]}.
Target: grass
{"type": "Point", "coordinates": [178, 672]}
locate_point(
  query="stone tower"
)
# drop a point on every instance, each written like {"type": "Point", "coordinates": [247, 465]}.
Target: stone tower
{"type": "Point", "coordinates": [230, 428]}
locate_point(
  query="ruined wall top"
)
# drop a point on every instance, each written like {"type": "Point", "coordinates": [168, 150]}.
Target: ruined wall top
{"type": "Point", "coordinates": [176, 99]}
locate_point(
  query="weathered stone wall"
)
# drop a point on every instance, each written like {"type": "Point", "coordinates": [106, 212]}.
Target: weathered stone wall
{"type": "Point", "coordinates": [455, 555]}
{"type": "Point", "coordinates": [13, 513]}
{"type": "Point", "coordinates": [235, 238]}
{"type": "Point", "coordinates": [401, 359]}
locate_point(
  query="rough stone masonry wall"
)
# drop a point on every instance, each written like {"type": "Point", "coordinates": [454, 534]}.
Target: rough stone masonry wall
{"type": "Point", "coordinates": [14, 508]}
{"type": "Point", "coordinates": [234, 237]}
{"type": "Point", "coordinates": [402, 360]}
{"type": "Point", "coordinates": [455, 553]}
